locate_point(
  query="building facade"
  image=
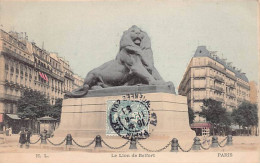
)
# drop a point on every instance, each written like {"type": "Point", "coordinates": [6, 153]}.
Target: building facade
{"type": "Point", "coordinates": [208, 76]}
{"type": "Point", "coordinates": [253, 92]}
{"type": "Point", "coordinates": [78, 81]}
{"type": "Point", "coordinates": [23, 65]}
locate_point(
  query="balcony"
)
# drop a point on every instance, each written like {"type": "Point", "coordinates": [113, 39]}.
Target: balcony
{"type": "Point", "coordinates": [243, 85]}
{"type": "Point", "coordinates": [231, 76]}
{"type": "Point", "coordinates": [199, 86]}
{"type": "Point", "coordinates": [231, 104]}
{"type": "Point", "coordinates": [219, 89]}
{"type": "Point", "coordinates": [198, 98]}
{"type": "Point", "coordinates": [9, 97]}
{"type": "Point", "coordinates": [231, 85]}
{"type": "Point", "coordinates": [69, 76]}
{"type": "Point", "coordinates": [8, 52]}
{"type": "Point", "coordinates": [48, 72]}
{"type": "Point", "coordinates": [231, 94]}
{"type": "Point", "coordinates": [220, 99]}
{"type": "Point", "coordinates": [218, 78]}
{"type": "Point", "coordinates": [216, 67]}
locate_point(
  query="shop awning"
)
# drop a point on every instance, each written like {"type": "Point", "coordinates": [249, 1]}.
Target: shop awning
{"type": "Point", "coordinates": [47, 118]}
{"type": "Point", "coordinates": [200, 125]}
{"type": "Point", "coordinates": [13, 116]}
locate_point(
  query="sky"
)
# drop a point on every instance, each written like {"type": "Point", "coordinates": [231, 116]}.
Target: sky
{"type": "Point", "coordinates": [87, 33]}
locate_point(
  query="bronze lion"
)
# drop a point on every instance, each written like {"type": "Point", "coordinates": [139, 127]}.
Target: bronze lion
{"type": "Point", "coordinates": [134, 65]}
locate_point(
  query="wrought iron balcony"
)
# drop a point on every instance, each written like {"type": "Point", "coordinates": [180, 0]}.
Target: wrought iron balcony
{"type": "Point", "coordinates": [231, 94]}
{"type": "Point", "coordinates": [9, 97]}
{"type": "Point", "coordinates": [219, 89]}
{"type": "Point", "coordinates": [8, 52]}
{"type": "Point", "coordinates": [219, 78]}
{"type": "Point", "coordinates": [69, 76]}
{"type": "Point", "coordinates": [231, 85]}
{"type": "Point", "coordinates": [219, 99]}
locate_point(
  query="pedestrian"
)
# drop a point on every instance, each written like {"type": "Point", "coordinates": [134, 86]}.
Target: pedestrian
{"type": "Point", "coordinates": [10, 131]}
{"type": "Point", "coordinates": [7, 131]}
{"type": "Point", "coordinates": [22, 139]}
{"type": "Point", "coordinates": [28, 136]}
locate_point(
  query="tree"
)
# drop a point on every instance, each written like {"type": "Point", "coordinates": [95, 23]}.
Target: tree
{"type": "Point", "coordinates": [191, 115]}
{"type": "Point", "coordinates": [246, 114]}
{"type": "Point", "coordinates": [213, 111]}
{"type": "Point", "coordinates": [32, 105]}
{"type": "Point", "coordinates": [55, 111]}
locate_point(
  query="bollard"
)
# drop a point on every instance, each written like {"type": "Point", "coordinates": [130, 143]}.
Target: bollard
{"type": "Point", "coordinates": [174, 145]}
{"type": "Point", "coordinates": [196, 145]}
{"type": "Point", "coordinates": [43, 138]}
{"type": "Point", "coordinates": [133, 144]}
{"type": "Point", "coordinates": [214, 142]}
{"type": "Point", "coordinates": [68, 139]}
{"type": "Point", "coordinates": [229, 140]}
{"type": "Point", "coordinates": [98, 141]}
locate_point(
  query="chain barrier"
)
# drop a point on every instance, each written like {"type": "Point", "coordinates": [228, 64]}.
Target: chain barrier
{"type": "Point", "coordinates": [119, 147]}
{"type": "Point", "coordinates": [35, 141]}
{"type": "Point", "coordinates": [111, 147]}
{"type": "Point", "coordinates": [185, 150]}
{"type": "Point", "coordinates": [84, 146]}
{"type": "Point", "coordinates": [56, 144]}
{"type": "Point", "coordinates": [219, 143]}
{"type": "Point", "coordinates": [205, 147]}
{"type": "Point", "coordinates": [158, 150]}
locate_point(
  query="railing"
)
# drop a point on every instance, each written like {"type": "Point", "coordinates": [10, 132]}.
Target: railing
{"type": "Point", "coordinates": [219, 99]}
{"type": "Point", "coordinates": [216, 67]}
{"type": "Point", "coordinates": [216, 88]}
{"type": "Point", "coordinates": [49, 72]}
{"type": "Point", "coordinates": [231, 94]}
{"type": "Point", "coordinates": [243, 85]}
{"type": "Point", "coordinates": [231, 85]}
{"type": "Point", "coordinates": [219, 89]}
{"type": "Point", "coordinates": [231, 104]}
{"type": "Point", "coordinates": [69, 76]}
{"type": "Point", "coordinates": [219, 78]}
{"type": "Point", "coordinates": [11, 53]}
{"type": "Point", "coordinates": [9, 97]}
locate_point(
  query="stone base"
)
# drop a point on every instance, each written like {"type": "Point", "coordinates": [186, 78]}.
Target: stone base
{"type": "Point", "coordinates": [86, 117]}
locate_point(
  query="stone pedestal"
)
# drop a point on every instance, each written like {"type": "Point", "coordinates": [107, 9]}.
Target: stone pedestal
{"type": "Point", "coordinates": [86, 117]}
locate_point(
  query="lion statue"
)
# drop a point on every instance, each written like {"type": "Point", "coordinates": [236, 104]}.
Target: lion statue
{"type": "Point", "coordinates": [134, 65]}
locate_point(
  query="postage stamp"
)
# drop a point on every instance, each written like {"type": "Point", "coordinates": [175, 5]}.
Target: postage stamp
{"type": "Point", "coordinates": [128, 118]}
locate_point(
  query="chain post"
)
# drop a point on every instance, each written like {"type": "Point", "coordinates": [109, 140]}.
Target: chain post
{"type": "Point", "coordinates": [43, 138]}
{"type": "Point", "coordinates": [229, 140]}
{"type": "Point", "coordinates": [174, 145]}
{"type": "Point", "coordinates": [68, 139]}
{"type": "Point", "coordinates": [98, 141]}
{"type": "Point", "coordinates": [196, 144]}
{"type": "Point", "coordinates": [214, 142]}
{"type": "Point", "coordinates": [133, 143]}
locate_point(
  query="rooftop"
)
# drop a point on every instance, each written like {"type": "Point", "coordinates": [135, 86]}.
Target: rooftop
{"type": "Point", "coordinates": [203, 52]}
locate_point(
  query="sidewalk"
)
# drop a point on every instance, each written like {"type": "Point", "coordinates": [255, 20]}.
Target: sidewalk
{"type": "Point", "coordinates": [240, 143]}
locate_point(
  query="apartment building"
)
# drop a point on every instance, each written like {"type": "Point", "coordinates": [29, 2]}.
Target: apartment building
{"type": "Point", "coordinates": [209, 76]}
{"type": "Point", "coordinates": [24, 65]}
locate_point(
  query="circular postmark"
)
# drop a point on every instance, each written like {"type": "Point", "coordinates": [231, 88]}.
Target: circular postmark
{"type": "Point", "coordinates": [132, 118]}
